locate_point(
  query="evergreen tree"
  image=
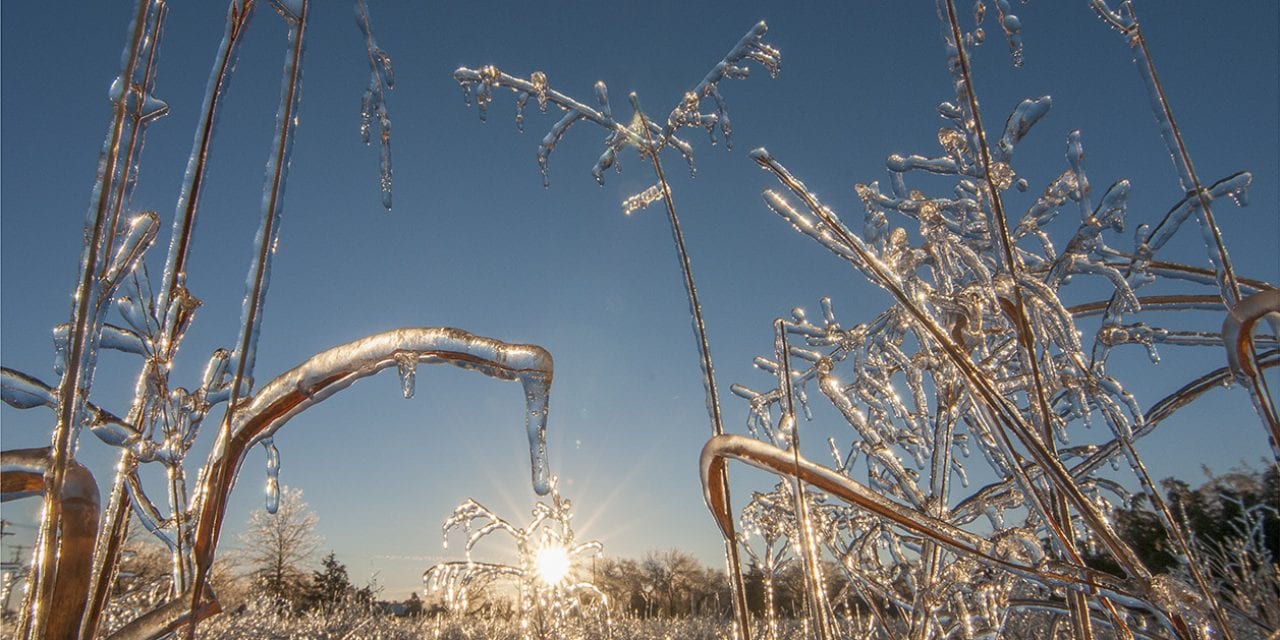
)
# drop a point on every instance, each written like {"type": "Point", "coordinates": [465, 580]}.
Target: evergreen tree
{"type": "Point", "coordinates": [330, 586]}
{"type": "Point", "coordinates": [413, 606]}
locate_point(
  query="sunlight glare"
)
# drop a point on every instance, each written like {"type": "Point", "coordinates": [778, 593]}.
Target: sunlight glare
{"type": "Point", "coordinates": [552, 564]}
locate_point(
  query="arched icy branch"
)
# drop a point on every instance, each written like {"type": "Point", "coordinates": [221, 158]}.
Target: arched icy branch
{"type": "Point", "coordinates": [331, 371]}
{"type": "Point", "coordinates": [1237, 335]}
{"type": "Point", "coordinates": [320, 377]}
{"type": "Point", "coordinates": [719, 449]}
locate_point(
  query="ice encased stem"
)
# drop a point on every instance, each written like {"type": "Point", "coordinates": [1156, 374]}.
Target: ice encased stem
{"type": "Point", "coordinates": [93, 293]}
{"type": "Point", "coordinates": [373, 106]}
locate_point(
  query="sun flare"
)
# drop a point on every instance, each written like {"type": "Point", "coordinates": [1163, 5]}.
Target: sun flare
{"type": "Point", "coordinates": [552, 564]}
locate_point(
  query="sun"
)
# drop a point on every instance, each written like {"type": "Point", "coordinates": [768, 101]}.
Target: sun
{"type": "Point", "coordinates": [552, 564]}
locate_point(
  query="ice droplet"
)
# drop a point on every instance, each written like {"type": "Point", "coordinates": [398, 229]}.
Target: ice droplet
{"type": "Point", "coordinates": [24, 392]}
{"type": "Point", "coordinates": [642, 200]}
{"type": "Point", "coordinates": [953, 142]}
{"type": "Point", "coordinates": [1012, 28]}
{"type": "Point", "coordinates": [539, 81]}
{"type": "Point", "coordinates": [1002, 175]}
{"type": "Point", "coordinates": [407, 364]}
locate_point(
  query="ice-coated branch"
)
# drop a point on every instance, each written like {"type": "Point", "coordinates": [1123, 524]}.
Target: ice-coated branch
{"type": "Point", "coordinates": [331, 371]}
{"type": "Point", "coordinates": [544, 600]}
{"type": "Point", "coordinates": [828, 230]}
{"type": "Point", "coordinates": [317, 379]}
{"type": "Point", "coordinates": [482, 81]}
{"type": "Point", "coordinates": [1125, 21]}
{"type": "Point", "coordinates": [720, 449]}
{"type": "Point", "coordinates": [687, 113]}
{"type": "Point", "coordinates": [133, 107]}
{"type": "Point", "coordinates": [161, 323]}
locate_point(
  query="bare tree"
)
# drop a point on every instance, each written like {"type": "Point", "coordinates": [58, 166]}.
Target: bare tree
{"type": "Point", "coordinates": [276, 546]}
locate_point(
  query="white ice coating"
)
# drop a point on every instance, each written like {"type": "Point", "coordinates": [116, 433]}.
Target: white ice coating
{"type": "Point", "coordinates": [642, 200]}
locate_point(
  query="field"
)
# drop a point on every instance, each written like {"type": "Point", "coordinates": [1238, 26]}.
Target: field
{"type": "Point", "coordinates": [982, 293]}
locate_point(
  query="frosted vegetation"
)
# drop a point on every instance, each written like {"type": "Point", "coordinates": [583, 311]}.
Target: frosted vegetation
{"type": "Point", "coordinates": [976, 358]}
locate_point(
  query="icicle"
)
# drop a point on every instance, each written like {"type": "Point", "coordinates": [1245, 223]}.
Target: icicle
{"type": "Point", "coordinates": [407, 366]}
{"type": "Point", "coordinates": [141, 233]}
{"type": "Point", "coordinates": [259, 277]}
{"type": "Point", "coordinates": [273, 475]}
{"type": "Point", "coordinates": [1012, 28]}
{"type": "Point", "coordinates": [374, 103]}
{"type": "Point", "coordinates": [536, 394]}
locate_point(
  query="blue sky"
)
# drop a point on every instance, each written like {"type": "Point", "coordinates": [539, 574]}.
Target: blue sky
{"type": "Point", "coordinates": [476, 242]}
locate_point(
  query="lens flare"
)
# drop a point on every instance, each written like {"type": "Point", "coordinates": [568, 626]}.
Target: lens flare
{"type": "Point", "coordinates": [552, 564]}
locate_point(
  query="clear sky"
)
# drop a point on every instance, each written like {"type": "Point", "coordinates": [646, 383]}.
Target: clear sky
{"type": "Point", "coordinates": [476, 242]}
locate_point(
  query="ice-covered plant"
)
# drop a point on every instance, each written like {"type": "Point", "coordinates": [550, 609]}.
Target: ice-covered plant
{"type": "Point", "coordinates": [979, 352]}
{"type": "Point", "coordinates": [79, 543]}
{"type": "Point", "coordinates": [554, 599]}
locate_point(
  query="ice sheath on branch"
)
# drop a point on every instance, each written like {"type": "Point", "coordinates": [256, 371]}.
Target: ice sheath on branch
{"type": "Point", "coordinates": [294, 13]}
{"type": "Point", "coordinates": [164, 326]}
{"type": "Point", "coordinates": [101, 273]}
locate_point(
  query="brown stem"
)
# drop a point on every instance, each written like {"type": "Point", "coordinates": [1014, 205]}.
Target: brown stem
{"type": "Point", "coordinates": [708, 372]}
{"type": "Point", "coordinates": [24, 472]}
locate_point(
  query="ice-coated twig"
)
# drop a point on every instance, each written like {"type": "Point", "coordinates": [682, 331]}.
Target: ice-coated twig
{"type": "Point", "coordinates": [835, 236]}
{"type": "Point", "coordinates": [1125, 21]}
{"type": "Point", "coordinates": [486, 78]}
{"type": "Point", "coordinates": [981, 323]}
{"type": "Point", "coordinates": [317, 379]}
{"type": "Point", "coordinates": [687, 112]}
{"type": "Point", "coordinates": [759, 454]}
{"type": "Point", "coordinates": [295, 14]}
{"type": "Point", "coordinates": [374, 103]}
{"type": "Point", "coordinates": [331, 371]}
{"type": "Point", "coordinates": [738, 591]}
{"type": "Point", "coordinates": [650, 139]}
{"type": "Point", "coordinates": [815, 591]}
